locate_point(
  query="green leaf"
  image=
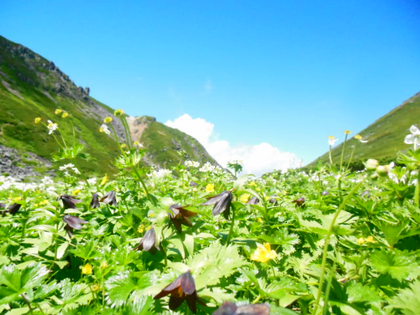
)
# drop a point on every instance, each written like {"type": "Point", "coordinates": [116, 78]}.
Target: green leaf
{"type": "Point", "coordinates": [408, 300]}
{"type": "Point", "coordinates": [397, 264]}
{"type": "Point", "coordinates": [213, 263]}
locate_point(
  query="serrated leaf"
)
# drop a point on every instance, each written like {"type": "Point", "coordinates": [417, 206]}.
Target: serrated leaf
{"type": "Point", "coordinates": [213, 263]}
{"type": "Point", "coordinates": [408, 300]}
{"type": "Point", "coordinates": [396, 264]}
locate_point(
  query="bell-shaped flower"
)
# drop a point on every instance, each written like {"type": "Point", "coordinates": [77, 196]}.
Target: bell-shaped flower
{"type": "Point", "coordinates": [149, 242]}
{"type": "Point", "coordinates": [229, 308]}
{"type": "Point", "coordinates": [73, 223]}
{"type": "Point", "coordinates": [254, 201]}
{"type": "Point", "coordinates": [95, 201]}
{"type": "Point", "coordinates": [221, 202]}
{"type": "Point", "coordinates": [12, 209]}
{"type": "Point", "coordinates": [110, 198]}
{"type": "Point", "coordinates": [300, 202]}
{"type": "Point", "coordinates": [182, 289]}
{"type": "Point", "coordinates": [180, 216]}
{"type": "Point", "coordinates": [69, 201]}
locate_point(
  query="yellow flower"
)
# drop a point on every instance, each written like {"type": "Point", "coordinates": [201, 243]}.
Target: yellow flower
{"type": "Point", "coordinates": [358, 137]}
{"type": "Point", "coordinates": [58, 111]}
{"type": "Point", "coordinates": [263, 253]}
{"type": "Point", "coordinates": [108, 120]}
{"type": "Point", "coordinates": [87, 269]}
{"type": "Point", "coordinates": [260, 220]}
{"type": "Point", "coordinates": [96, 287]}
{"type": "Point", "coordinates": [210, 188]}
{"type": "Point", "coordinates": [76, 192]}
{"type": "Point", "coordinates": [244, 198]}
{"type": "Point", "coordinates": [43, 203]}
{"type": "Point", "coordinates": [119, 112]}
{"type": "Point", "coordinates": [141, 229]}
{"type": "Point", "coordinates": [138, 144]}
{"type": "Point", "coordinates": [347, 132]}
{"type": "Point", "coordinates": [17, 199]}
{"type": "Point", "coordinates": [65, 115]}
{"type": "Point", "coordinates": [370, 239]}
{"type": "Point", "coordinates": [123, 146]}
{"type": "Point", "coordinates": [104, 180]}
{"type": "Point", "coordinates": [37, 120]}
{"type": "Point", "coordinates": [361, 241]}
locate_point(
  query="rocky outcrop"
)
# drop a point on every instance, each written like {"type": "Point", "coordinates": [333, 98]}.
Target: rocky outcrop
{"type": "Point", "coordinates": [13, 163]}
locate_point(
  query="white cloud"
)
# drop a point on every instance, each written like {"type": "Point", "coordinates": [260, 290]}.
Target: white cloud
{"type": "Point", "coordinates": [256, 159]}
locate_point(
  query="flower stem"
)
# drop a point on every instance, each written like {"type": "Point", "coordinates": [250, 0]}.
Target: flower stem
{"type": "Point", "coordinates": [417, 191]}
{"type": "Point", "coordinates": [342, 152]}
{"type": "Point", "coordinates": [327, 243]}
{"type": "Point", "coordinates": [232, 223]}
{"type": "Point", "coordinates": [330, 156]}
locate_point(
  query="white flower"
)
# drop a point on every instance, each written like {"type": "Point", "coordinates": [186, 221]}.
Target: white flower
{"type": "Point", "coordinates": [208, 167]}
{"type": "Point", "coordinates": [160, 173]}
{"type": "Point", "coordinates": [51, 127]}
{"type": "Point", "coordinates": [92, 181]}
{"type": "Point", "coordinates": [66, 166]}
{"type": "Point", "coordinates": [414, 137]}
{"type": "Point", "coordinates": [190, 163]}
{"type": "Point", "coordinates": [104, 129]}
{"type": "Point", "coordinates": [371, 164]}
{"type": "Point", "coordinates": [332, 140]}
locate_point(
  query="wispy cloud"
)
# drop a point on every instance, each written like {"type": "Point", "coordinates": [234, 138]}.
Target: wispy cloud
{"type": "Point", "coordinates": [208, 87]}
{"type": "Point", "coordinates": [256, 159]}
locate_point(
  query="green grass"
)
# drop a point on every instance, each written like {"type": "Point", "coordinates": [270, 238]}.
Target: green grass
{"type": "Point", "coordinates": [385, 136]}
{"type": "Point", "coordinates": [168, 146]}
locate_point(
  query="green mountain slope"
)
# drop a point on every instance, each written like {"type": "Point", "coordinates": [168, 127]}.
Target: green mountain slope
{"type": "Point", "coordinates": [166, 145]}
{"type": "Point", "coordinates": [32, 86]}
{"type": "Point", "coordinates": [385, 136]}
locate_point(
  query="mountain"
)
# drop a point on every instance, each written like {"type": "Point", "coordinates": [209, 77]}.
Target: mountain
{"type": "Point", "coordinates": [166, 146]}
{"type": "Point", "coordinates": [385, 136]}
{"type": "Point", "coordinates": [32, 86]}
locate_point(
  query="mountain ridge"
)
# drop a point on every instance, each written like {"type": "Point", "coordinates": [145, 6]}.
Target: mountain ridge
{"type": "Point", "coordinates": [32, 86]}
{"type": "Point", "coordinates": [385, 136]}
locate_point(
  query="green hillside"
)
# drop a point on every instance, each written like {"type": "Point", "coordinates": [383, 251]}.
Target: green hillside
{"type": "Point", "coordinates": [167, 145]}
{"type": "Point", "coordinates": [385, 136]}
{"type": "Point", "coordinates": [32, 86]}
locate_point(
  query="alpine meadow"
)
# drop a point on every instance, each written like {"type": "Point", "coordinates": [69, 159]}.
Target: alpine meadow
{"type": "Point", "coordinates": [107, 209]}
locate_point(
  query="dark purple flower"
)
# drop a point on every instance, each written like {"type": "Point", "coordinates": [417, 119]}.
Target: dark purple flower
{"type": "Point", "coordinates": [110, 198]}
{"type": "Point", "coordinates": [95, 201]}
{"type": "Point", "coordinates": [229, 308]}
{"type": "Point", "coordinates": [273, 201]}
{"type": "Point", "coordinates": [179, 215]}
{"type": "Point", "coordinates": [221, 203]}
{"type": "Point", "coordinates": [12, 209]}
{"type": "Point", "coordinates": [253, 201]}
{"type": "Point", "coordinates": [299, 202]}
{"type": "Point", "coordinates": [193, 184]}
{"type": "Point", "coordinates": [73, 223]}
{"type": "Point", "coordinates": [149, 242]}
{"type": "Point", "coordinates": [69, 201]}
{"type": "Point", "coordinates": [325, 193]}
{"type": "Point", "coordinates": [183, 288]}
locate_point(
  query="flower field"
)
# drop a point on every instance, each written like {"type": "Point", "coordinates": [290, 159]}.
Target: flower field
{"type": "Point", "coordinates": [196, 239]}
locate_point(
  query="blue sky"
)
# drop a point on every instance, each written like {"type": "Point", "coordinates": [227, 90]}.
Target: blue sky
{"type": "Point", "coordinates": [289, 73]}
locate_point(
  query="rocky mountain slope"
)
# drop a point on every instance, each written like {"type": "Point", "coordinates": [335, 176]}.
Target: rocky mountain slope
{"type": "Point", "coordinates": [385, 136]}
{"type": "Point", "coordinates": [32, 86]}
